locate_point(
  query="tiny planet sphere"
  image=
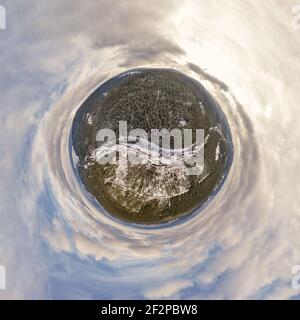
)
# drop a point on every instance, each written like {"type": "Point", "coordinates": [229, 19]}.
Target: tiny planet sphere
{"type": "Point", "coordinates": [137, 179]}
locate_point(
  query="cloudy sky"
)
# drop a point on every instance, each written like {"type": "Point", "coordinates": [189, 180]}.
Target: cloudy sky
{"type": "Point", "coordinates": [55, 244]}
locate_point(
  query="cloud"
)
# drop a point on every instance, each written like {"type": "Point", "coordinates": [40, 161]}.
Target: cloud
{"type": "Point", "coordinates": [168, 289]}
{"type": "Point", "coordinates": [55, 243]}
